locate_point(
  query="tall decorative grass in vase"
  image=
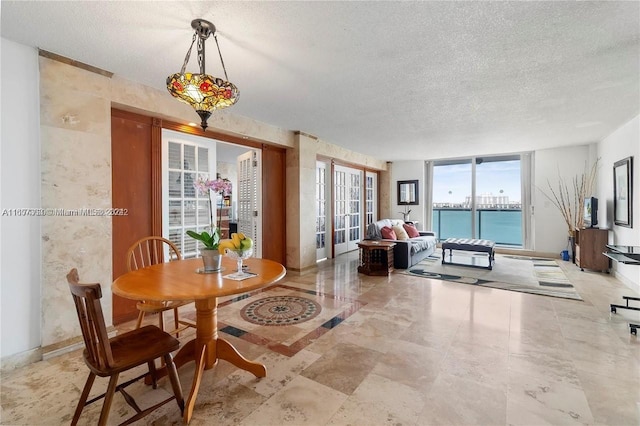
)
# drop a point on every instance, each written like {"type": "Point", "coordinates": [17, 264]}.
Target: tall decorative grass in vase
{"type": "Point", "coordinates": [569, 196]}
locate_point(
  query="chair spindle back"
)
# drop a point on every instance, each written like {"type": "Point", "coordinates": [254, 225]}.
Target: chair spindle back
{"type": "Point", "coordinates": [87, 297]}
{"type": "Point", "coordinates": [150, 251]}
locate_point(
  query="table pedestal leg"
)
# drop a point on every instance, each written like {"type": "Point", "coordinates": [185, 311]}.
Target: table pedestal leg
{"type": "Point", "coordinates": [190, 403]}
{"type": "Point", "coordinates": [207, 348]}
{"type": "Point", "coordinates": [227, 352]}
{"type": "Point", "coordinates": [185, 354]}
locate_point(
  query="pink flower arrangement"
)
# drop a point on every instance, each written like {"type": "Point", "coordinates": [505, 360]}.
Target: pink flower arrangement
{"type": "Point", "coordinates": [206, 187]}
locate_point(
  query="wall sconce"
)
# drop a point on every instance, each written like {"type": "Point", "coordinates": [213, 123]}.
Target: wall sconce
{"type": "Point", "coordinates": [202, 91]}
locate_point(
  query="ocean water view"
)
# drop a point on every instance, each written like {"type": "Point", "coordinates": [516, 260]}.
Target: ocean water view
{"type": "Point", "coordinates": [504, 226]}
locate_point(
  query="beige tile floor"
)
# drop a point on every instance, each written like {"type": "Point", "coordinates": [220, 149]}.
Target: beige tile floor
{"type": "Point", "coordinates": [410, 351]}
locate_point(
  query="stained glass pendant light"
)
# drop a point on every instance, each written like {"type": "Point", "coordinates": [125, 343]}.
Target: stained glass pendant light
{"type": "Point", "coordinates": [203, 92]}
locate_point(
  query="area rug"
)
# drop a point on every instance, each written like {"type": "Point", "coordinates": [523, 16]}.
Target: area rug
{"type": "Point", "coordinates": [514, 273]}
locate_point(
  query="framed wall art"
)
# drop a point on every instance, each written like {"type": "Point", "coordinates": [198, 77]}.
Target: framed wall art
{"type": "Point", "coordinates": [408, 192]}
{"type": "Point", "coordinates": [623, 192]}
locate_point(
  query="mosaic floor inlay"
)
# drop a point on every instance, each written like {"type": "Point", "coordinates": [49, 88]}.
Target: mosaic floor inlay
{"type": "Point", "coordinates": [332, 311]}
{"type": "Point", "coordinates": [280, 310]}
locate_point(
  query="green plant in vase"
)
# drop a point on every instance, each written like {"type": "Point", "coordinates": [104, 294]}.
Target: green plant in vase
{"type": "Point", "coordinates": [210, 238]}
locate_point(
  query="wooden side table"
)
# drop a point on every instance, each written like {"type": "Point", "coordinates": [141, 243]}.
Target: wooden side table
{"type": "Point", "coordinates": [376, 257]}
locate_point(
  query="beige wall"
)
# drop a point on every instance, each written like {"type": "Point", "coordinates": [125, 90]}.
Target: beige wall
{"type": "Point", "coordinates": [76, 173]}
{"type": "Point", "coordinates": [75, 138]}
{"type": "Point", "coordinates": [300, 207]}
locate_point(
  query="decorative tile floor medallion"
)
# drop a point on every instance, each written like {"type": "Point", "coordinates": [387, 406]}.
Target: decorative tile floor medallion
{"type": "Point", "coordinates": [280, 310]}
{"type": "Point", "coordinates": [329, 313]}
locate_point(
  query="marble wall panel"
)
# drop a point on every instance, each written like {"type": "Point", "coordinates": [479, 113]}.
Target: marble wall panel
{"type": "Point", "coordinates": [308, 152]}
{"type": "Point", "coordinates": [64, 78]}
{"type": "Point", "coordinates": [75, 175]}
{"type": "Point", "coordinates": [82, 112]}
{"type": "Point", "coordinates": [292, 177]}
{"type": "Point", "coordinates": [76, 169]}
{"type": "Point", "coordinates": [384, 196]}
{"type": "Point", "coordinates": [293, 211]}
{"type": "Point", "coordinates": [72, 242]}
{"type": "Point", "coordinates": [338, 152]}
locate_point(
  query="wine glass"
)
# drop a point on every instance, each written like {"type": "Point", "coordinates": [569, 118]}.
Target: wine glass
{"type": "Point", "coordinates": [239, 255]}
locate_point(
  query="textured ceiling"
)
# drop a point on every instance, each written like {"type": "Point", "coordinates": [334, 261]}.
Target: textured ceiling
{"type": "Point", "coordinates": [397, 80]}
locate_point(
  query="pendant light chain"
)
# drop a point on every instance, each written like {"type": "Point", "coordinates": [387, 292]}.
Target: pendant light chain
{"type": "Point", "coordinates": [201, 61]}
{"type": "Point", "coordinates": [215, 36]}
{"type": "Point", "coordinates": [186, 58]}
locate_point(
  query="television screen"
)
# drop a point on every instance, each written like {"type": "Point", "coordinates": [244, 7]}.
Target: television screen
{"type": "Point", "coordinates": [590, 212]}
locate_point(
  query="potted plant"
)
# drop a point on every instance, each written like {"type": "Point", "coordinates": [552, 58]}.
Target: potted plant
{"type": "Point", "coordinates": [210, 241]}
{"type": "Point", "coordinates": [210, 238]}
{"type": "Point", "coordinates": [405, 214]}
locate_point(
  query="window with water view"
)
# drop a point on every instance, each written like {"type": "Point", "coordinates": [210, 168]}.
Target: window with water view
{"type": "Point", "coordinates": [478, 198]}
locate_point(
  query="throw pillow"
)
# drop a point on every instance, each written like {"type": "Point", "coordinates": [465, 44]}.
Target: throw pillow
{"type": "Point", "coordinates": [411, 230]}
{"type": "Point", "coordinates": [387, 233]}
{"type": "Point", "coordinates": [400, 232]}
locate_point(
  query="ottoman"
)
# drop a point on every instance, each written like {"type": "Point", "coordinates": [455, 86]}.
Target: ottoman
{"type": "Point", "coordinates": [468, 244]}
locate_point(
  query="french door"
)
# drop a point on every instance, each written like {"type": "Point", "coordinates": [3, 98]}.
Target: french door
{"type": "Point", "coordinates": [371, 198]}
{"type": "Point", "coordinates": [184, 159]}
{"type": "Point", "coordinates": [322, 186]}
{"type": "Point", "coordinates": [347, 219]}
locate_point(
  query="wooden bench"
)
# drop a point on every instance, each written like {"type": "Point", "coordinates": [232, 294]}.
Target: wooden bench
{"type": "Point", "coordinates": [468, 244]}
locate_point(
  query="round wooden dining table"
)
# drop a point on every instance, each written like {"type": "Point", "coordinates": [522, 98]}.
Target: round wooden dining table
{"type": "Point", "coordinates": [183, 280]}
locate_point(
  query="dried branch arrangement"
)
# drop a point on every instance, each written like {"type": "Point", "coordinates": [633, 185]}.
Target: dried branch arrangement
{"type": "Point", "coordinates": [569, 198]}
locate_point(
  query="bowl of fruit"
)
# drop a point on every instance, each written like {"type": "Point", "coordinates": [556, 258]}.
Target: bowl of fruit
{"type": "Point", "coordinates": [238, 247]}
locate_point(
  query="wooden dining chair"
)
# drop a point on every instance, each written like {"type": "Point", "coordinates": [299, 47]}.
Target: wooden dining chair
{"type": "Point", "coordinates": [111, 356]}
{"type": "Point", "coordinates": [149, 251]}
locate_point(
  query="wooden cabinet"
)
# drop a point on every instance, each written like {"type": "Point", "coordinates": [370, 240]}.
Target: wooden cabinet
{"type": "Point", "coordinates": [590, 244]}
{"type": "Point", "coordinates": [376, 257]}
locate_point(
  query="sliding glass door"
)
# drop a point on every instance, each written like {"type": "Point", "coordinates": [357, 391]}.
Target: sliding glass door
{"type": "Point", "coordinates": [452, 187]}
{"type": "Point", "coordinates": [479, 197]}
{"type": "Point", "coordinates": [498, 200]}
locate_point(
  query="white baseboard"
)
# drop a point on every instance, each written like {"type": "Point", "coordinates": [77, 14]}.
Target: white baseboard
{"type": "Point", "coordinates": [61, 351]}
{"type": "Point", "coordinates": [11, 362]}
{"type": "Point", "coordinates": [626, 281]}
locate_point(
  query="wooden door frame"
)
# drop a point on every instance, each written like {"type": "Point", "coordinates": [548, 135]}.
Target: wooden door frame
{"type": "Point", "coordinates": [156, 177]}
